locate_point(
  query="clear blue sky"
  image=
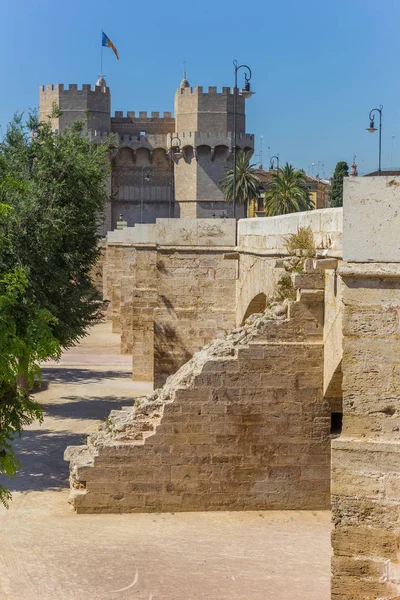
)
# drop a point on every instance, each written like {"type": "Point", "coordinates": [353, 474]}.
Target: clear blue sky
{"type": "Point", "coordinates": [318, 66]}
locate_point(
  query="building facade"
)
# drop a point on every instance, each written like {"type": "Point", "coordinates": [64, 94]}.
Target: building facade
{"type": "Point", "coordinates": [319, 190]}
{"type": "Point", "coordinates": [163, 165]}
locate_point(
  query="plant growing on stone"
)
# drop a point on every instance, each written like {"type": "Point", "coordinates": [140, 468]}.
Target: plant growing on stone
{"type": "Point", "coordinates": [287, 192]}
{"type": "Point", "coordinates": [52, 192]}
{"type": "Point", "coordinates": [301, 242]}
{"type": "Point", "coordinates": [285, 289]}
{"type": "Point", "coordinates": [299, 246]}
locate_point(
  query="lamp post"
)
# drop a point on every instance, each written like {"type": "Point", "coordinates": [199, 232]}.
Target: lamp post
{"type": "Point", "coordinates": [144, 178]}
{"type": "Point", "coordinates": [177, 154]}
{"type": "Point", "coordinates": [246, 93]}
{"type": "Point", "coordinates": [277, 172]}
{"type": "Point", "coordinates": [372, 129]}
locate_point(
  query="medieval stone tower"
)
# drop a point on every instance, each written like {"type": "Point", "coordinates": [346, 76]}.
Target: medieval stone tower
{"type": "Point", "coordinates": [163, 166]}
{"type": "Point", "coordinates": [93, 103]}
{"type": "Point", "coordinates": [204, 128]}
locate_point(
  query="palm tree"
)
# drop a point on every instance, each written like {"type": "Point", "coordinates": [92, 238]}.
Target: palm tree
{"type": "Point", "coordinates": [248, 184]}
{"type": "Point", "coordinates": [287, 192]}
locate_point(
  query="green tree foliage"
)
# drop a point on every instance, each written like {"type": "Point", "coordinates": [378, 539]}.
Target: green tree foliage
{"type": "Point", "coordinates": [341, 171]}
{"type": "Point", "coordinates": [52, 191]}
{"type": "Point", "coordinates": [287, 192]}
{"type": "Point", "coordinates": [248, 184]}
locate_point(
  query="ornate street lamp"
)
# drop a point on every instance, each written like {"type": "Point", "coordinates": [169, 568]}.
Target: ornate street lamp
{"type": "Point", "coordinates": [175, 152]}
{"type": "Point", "coordinates": [277, 172]}
{"type": "Point", "coordinates": [246, 93]}
{"type": "Point", "coordinates": [372, 129]}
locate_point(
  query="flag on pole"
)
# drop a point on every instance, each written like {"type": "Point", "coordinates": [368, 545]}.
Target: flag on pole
{"type": "Point", "coordinates": [108, 43]}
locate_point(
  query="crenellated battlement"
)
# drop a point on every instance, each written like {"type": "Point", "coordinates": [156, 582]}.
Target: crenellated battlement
{"type": "Point", "coordinates": [211, 91]}
{"type": "Point", "coordinates": [150, 141]}
{"type": "Point", "coordinates": [143, 115]}
{"type": "Point", "coordinates": [73, 87]}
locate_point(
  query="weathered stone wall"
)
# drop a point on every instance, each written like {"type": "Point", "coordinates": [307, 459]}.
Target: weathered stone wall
{"type": "Point", "coordinates": [168, 300]}
{"type": "Point", "coordinates": [138, 317]}
{"type": "Point", "coordinates": [243, 425]}
{"type": "Point", "coordinates": [145, 301]}
{"type": "Point", "coordinates": [371, 235]}
{"type": "Point", "coordinates": [366, 458]}
{"type": "Point", "coordinates": [120, 262]}
{"type": "Point", "coordinates": [196, 289]}
{"type": "Point", "coordinates": [132, 274]}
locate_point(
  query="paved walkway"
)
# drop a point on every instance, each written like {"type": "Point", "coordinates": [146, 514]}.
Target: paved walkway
{"type": "Point", "coordinates": [47, 552]}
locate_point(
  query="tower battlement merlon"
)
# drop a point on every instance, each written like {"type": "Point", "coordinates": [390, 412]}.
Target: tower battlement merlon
{"type": "Point", "coordinates": [143, 116]}
{"type": "Point", "coordinates": [212, 90]}
{"type": "Point", "coordinates": [104, 135]}
{"type": "Point", "coordinates": [73, 87]}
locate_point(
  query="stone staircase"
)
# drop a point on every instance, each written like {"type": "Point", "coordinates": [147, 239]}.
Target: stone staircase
{"type": "Point", "coordinates": [242, 425]}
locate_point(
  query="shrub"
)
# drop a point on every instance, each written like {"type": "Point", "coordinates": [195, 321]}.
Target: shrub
{"type": "Point", "coordinates": [302, 240]}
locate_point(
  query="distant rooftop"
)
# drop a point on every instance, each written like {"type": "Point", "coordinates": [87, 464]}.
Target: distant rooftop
{"type": "Point", "coordinates": [388, 172]}
{"type": "Point", "coordinates": [266, 176]}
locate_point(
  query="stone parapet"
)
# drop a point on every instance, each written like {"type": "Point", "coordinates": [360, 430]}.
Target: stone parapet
{"type": "Point", "coordinates": [178, 233]}
{"type": "Point", "coordinates": [268, 234]}
{"type": "Point", "coordinates": [195, 232]}
{"type": "Point", "coordinates": [141, 233]}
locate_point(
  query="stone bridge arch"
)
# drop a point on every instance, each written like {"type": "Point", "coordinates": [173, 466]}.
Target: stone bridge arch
{"type": "Point", "coordinates": [257, 305]}
{"type": "Point", "coordinates": [255, 285]}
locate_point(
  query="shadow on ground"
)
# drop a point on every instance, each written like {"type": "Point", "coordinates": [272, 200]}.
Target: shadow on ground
{"type": "Point", "coordinates": [86, 408]}
{"type": "Point", "coordinates": [40, 453]}
{"type": "Point", "coordinates": [55, 375]}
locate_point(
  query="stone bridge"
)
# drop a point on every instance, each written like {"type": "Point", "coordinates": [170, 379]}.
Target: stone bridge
{"type": "Point", "coordinates": [250, 415]}
{"type": "Point", "coordinates": [176, 285]}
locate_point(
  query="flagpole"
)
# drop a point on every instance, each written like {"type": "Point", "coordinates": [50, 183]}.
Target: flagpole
{"type": "Point", "coordinates": [101, 55]}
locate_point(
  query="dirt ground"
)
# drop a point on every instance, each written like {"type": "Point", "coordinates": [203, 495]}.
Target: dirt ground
{"type": "Point", "coordinates": [47, 552]}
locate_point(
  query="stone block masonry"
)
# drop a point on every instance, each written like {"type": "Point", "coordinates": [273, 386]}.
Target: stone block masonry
{"type": "Point", "coordinates": [366, 458]}
{"type": "Point", "coordinates": [242, 425]}
{"type": "Point", "coordinates": [168, 301]}
{"type": "Point", "coordinates": [197, 293]}
{"type": "Point", "coordinates": [120, 262]}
